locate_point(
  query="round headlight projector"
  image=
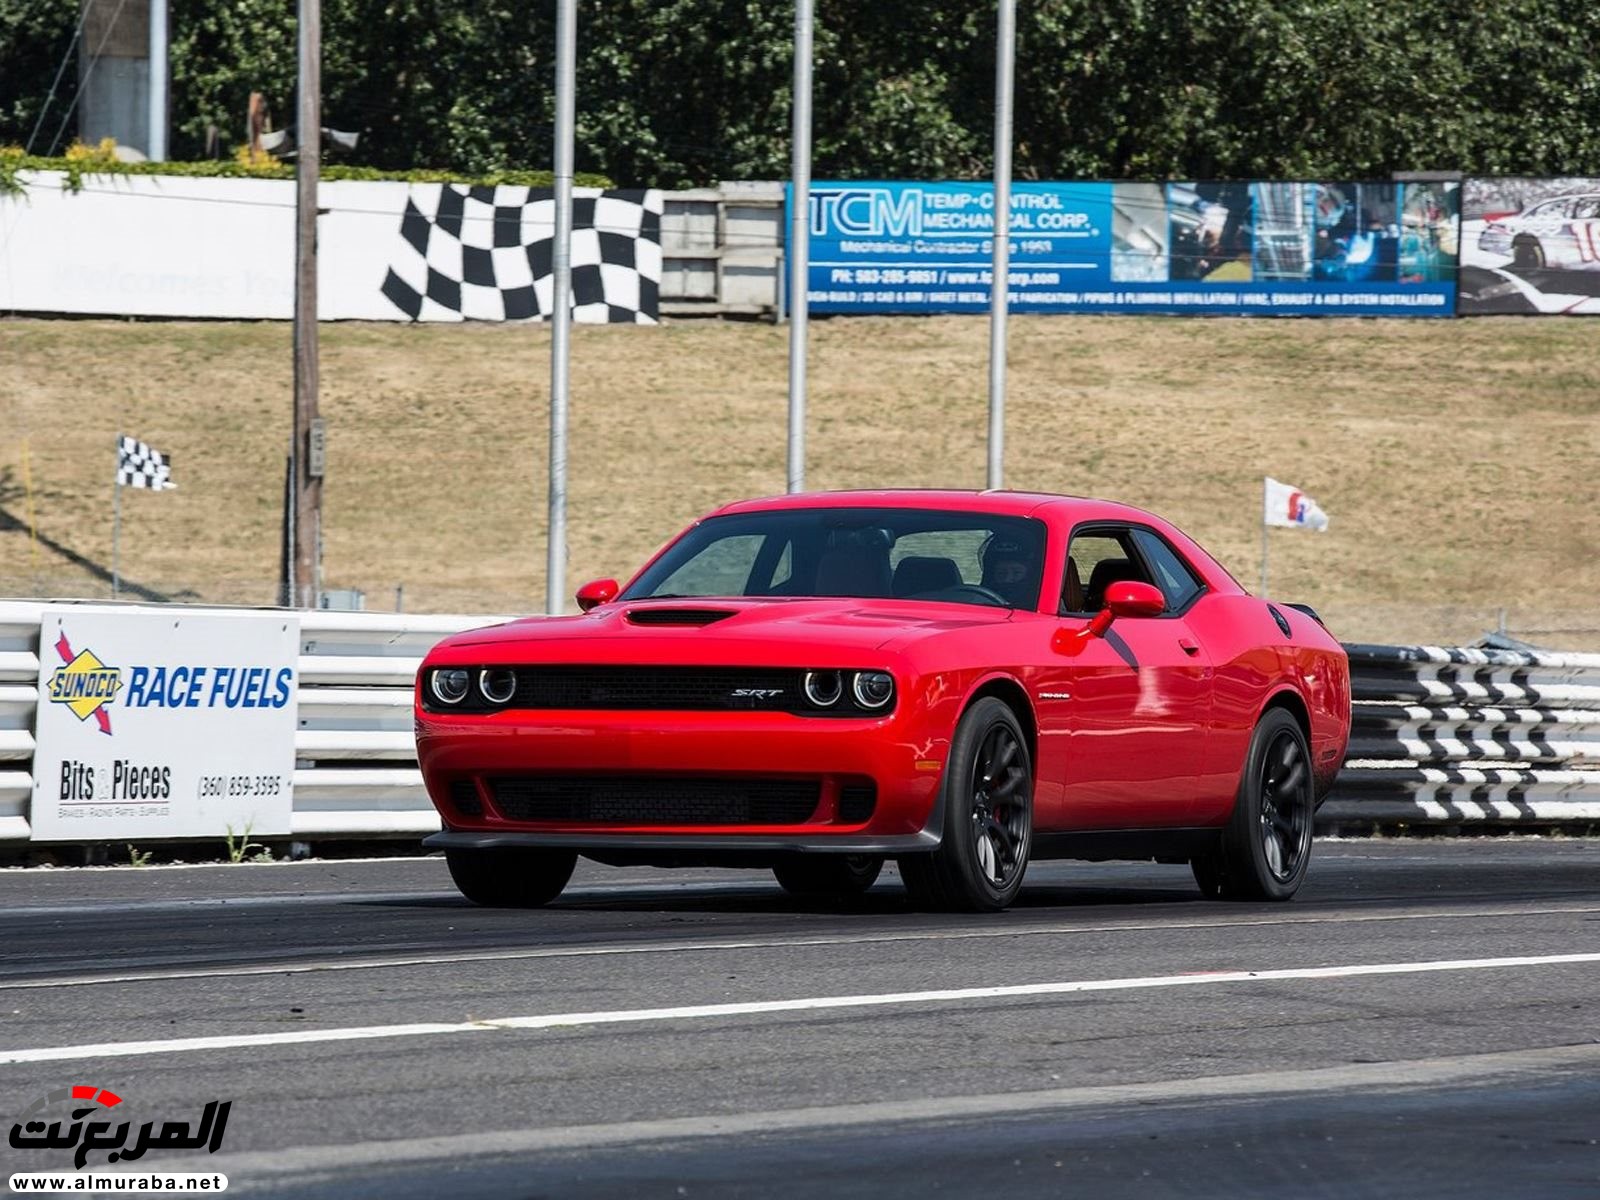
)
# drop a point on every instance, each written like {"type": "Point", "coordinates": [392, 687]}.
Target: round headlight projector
{"type": "Point", "coordinates": [873, 689]}
{"type": "Point", "coordinates": [823, 688]}
{"type": "Point", "coordinates": [498, 684]}
{"type": "Point", "coordinates": [450, 685]}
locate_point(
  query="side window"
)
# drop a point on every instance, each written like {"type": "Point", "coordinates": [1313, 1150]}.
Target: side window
{"type": "Point", "coordinates": [1173, 576]}
{"type": "Point", "coordinates": [1095, 560]}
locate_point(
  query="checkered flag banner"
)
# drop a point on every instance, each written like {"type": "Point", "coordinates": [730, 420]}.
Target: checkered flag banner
{"type": "Point", "coordinates": [141, 467]}
{"type": "Point", "coordinates": [485, 254]}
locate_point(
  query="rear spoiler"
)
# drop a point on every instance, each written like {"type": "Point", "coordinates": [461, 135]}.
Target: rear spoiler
{"type": "Point", "coordinates": [1309, 611]}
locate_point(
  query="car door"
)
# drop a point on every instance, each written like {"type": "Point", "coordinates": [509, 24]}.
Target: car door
{"type": "Point", "coordinates": [1126, 714]}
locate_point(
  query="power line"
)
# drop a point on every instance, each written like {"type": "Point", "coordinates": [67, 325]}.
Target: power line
{"type": "Point", "coordinates": [66, 56]}
{"type": "Point", "coordinates": [84, 78]}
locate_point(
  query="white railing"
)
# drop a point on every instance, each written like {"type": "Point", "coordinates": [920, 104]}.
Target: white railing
{"type": "Point", "coordinates": [1442, 736]}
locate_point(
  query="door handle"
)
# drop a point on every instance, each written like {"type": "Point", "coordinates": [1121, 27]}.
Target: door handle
{"type": "Point", "coordinates": [1191, 648]}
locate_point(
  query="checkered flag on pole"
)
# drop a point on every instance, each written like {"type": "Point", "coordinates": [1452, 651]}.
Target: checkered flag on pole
{"type": "Point", "coordinates": [140, 466]}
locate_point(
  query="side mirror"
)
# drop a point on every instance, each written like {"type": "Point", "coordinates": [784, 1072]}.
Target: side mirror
{"type": "Point", "coordinates": [1133, 599]}
{"type": "Point", "coordinates": [1127, 599]}
{"type": "Point", "coordinates": [597, 592]}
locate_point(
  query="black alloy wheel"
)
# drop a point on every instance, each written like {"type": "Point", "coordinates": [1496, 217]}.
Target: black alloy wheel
{"type": "Point", "coordinates": [828, 876]}
{"type": "Point", "coordinates": [511, 877]}
{"type": "Point", "coordinates": [1527, 254]}
{"type": "Point", "coordinates": [988, 817]}
{"type": "Point", "coordinates": [1266, 847]}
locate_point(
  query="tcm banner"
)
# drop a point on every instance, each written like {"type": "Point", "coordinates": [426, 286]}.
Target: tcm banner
{"type": "Point", "coordinates": [1215, 248]}
{"type": "Point", "coordinates": [156, 725]}
{"type": "Point", "coordinates": [1530, 246]}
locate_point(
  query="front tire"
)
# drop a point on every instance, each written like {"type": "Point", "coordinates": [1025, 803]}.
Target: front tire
{"type": "Point", "coordinates": [511, 877]}
{"type": "Point", "coordinates": [988, 818]}
{"type": "Point", "coordinates": [828, 876]}
{"type": "Point", "coordinates": [1266, 846]}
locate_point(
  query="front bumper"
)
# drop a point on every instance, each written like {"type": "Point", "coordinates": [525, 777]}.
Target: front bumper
{"type": "Point", "coordinates": [689, 844]}
{"type": "Point", "coordinates": [901, 763]}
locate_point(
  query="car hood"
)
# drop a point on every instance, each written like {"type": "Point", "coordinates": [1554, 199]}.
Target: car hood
{"type": "Point", "coordinates": [657, 630]}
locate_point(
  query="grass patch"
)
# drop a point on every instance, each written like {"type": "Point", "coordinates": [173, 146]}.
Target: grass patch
{"type": "Point", "coordinates": [1456, 458]}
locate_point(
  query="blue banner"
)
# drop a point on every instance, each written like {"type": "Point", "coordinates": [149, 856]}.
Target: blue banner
{"type": "Point", "coordinates": [1210, 248]}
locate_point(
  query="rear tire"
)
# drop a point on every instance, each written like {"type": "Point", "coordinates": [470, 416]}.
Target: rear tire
{"type": "Point", "coordinates": [511, 877]}
{"type": "Point", "coordinates": [1266, 846]}
{"type": "Point", "coordinates": [988, 818]}
{"type": "Point", "coordinates": [828, 876]}
{"type": "Point", "coordinates": [1527, 254]}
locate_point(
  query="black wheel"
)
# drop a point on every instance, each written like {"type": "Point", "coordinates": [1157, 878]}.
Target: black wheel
{"type": "Point", "coordinates": [511, 877]}
{"type": "Point", "coordinates": [1266, 846]}
{"type": "Point", "coordinates": [1527, 254]}
{"type": "Point", "coordinates": [988, 817]}
{"type": "Point", "coordinates": [832, 876]}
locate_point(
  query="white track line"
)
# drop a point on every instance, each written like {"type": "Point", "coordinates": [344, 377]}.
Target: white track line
{"type": "Point", "coordinates": [307, 1164]}
{"type": "Point", "coordinates": [292, 966]}
{"type": "Point", "coordinates": [575, 1020]}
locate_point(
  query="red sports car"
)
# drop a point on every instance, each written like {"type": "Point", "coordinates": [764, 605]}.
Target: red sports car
{"type": "Point", "coordinates": [959, 681]}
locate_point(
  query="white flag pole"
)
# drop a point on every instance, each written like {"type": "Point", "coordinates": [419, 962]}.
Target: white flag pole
{"type": "Point", "coordinates": [1265, 533]}
{"type": "Point", "coordinates": [116, 523]}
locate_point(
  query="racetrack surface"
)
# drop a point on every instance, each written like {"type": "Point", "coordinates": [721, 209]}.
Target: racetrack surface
{"type": "Point", "coordinates": [1422, 1021]}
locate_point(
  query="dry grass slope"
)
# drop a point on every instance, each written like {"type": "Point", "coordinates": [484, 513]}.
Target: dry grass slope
{"type": "Point", "coordinates": [1456, 458]}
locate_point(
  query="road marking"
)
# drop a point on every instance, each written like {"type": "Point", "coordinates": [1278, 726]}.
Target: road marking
{"type": "Point", "coordinates": [316, 966]}
{"type": "Point", "coordinates": [445, 899]}
{"type": "Point", "coordinates": [697, 1012]}
{"type": "Point", "coordinates": [304, 1163]}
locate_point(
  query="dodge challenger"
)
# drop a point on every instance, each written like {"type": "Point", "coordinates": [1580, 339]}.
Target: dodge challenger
{"type": "Point", "coordinates": [960, 681]}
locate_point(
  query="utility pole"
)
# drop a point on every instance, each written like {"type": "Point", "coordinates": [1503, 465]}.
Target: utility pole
{"type": "Point", "coordinates": [307, 523]}
{"type": "Point", "coordinates": [799, 243]}
{"type": "Point", "coordinates": [555, 599]}
{"type": "Point", "coordinates": [999, 286]}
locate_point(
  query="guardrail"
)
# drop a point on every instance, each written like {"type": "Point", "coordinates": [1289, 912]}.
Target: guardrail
{"type": "Point", "coordinates": [1446, 736]}
{"type": "Point", "coordinates": [1441, 736]}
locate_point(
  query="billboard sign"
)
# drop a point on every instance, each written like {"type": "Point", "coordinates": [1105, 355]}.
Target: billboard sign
{"type": "Point", "coordinates": [1188, 247]}
{"type": "Point", "coordinates": [1530, 246]}
{"type": "Point", "coordinates": [157, 725]}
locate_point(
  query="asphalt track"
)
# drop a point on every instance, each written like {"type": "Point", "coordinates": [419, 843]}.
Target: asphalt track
{"type": "Point", "coordinates": [1422, 1022]}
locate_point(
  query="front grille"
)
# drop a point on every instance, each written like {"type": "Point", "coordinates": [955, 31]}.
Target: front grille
{"type": "Point", "coordinates": [653, 689]}
{"type": "Point", "coordinates": [856, 802]}
{"type": "Point", "coordinates": [664, 800]}
{"type": "Point", "coordinates": [464, 798]}
{"type": "Point", "coordinates": [662, 688]}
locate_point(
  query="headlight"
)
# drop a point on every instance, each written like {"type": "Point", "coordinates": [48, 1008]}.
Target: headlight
{"type": "Point", "coordinates": [498, 684]}
{"type": "Point", "coordinates": [823, 688]}
{"type": "Point", "coordinates": [873, 689]}
{"type": "Point", "coordinates": [449, 685]}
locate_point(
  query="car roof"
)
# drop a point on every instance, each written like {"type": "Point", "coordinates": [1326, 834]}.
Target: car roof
{"type": "Point", "coordinates": [1001, 502]}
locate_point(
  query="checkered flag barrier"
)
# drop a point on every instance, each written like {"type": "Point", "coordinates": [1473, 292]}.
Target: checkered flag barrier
{"type": "Point", "coordinates": [140, 466]}
{"type": "Point", "coordinates": [485, 254]}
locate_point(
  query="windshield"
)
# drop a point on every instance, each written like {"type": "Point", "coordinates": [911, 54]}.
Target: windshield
{"type": "Point", "coordinates": [899, 553]}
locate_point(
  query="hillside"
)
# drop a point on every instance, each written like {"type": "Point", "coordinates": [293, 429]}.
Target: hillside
{"type": "Point", "coordinates": [1456, 458]}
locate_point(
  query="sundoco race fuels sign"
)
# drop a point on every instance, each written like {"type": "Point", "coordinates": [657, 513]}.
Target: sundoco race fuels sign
{"type": "Point", "coordinates": [1233, 247]}
{"type": "Point", "coordinates": [156, 725]}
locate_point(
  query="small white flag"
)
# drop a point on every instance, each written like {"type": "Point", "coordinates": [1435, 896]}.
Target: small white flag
{"type": "Point", "coordinates": [140, 466]}
{"type": "Point", "coordinates": [1289, 506]}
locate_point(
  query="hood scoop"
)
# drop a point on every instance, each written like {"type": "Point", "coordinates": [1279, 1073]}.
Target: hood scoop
{"type": "Point", "coordinates": [677, 616]}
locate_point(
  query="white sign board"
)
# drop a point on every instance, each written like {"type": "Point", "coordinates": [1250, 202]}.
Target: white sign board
{"type": "Point", "coordinates": [164, 725]}
{"type": "Point", "coordinates": [170, 246]}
